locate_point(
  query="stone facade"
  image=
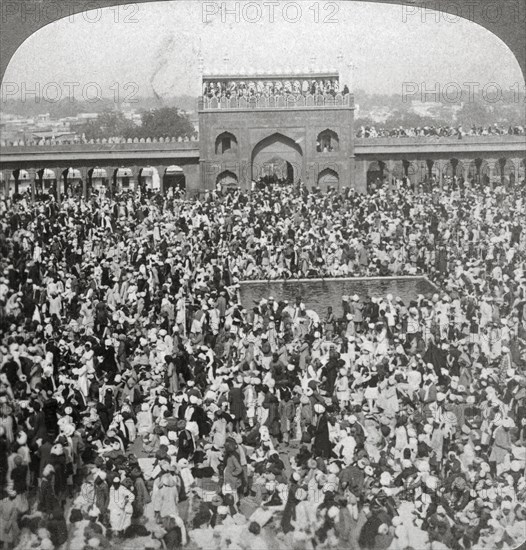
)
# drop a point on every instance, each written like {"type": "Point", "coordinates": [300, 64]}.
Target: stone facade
{"type": "Point", "coordinates": [257, 136]}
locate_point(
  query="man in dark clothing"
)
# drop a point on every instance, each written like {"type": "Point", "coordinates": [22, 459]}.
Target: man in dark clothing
{"type": "Point", "coordinates": [50, 410]}
{"type": "Point", "coordinates": [330, 373]}
{"type": "Point", "coordinates": [237, 405]}
{"type": "Point", "coordinates": [11, 369]}
{"type": "Point", "coordinates": [186, 445]}
{"type": "Point", "coordinates": [4, 466]}
{"type": "Point", "coordinates": [322, 445]}
{"type": "Point", "coordinates": [352, 478]}
{"type": "Point", "coordinates": [37, 421]}
{"type": "Point", "coordinates": [277, 368]}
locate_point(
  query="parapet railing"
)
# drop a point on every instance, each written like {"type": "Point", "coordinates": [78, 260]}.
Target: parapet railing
{"type": "Point", "coordinates": [121, 144]}
{"type": "Point", "coordinates": [280, 101]}
{"type": "Point", "coordinates": [190, 148]}
{"type": "Point", "coordinates": [420, 140]}
{"type": "Point", "coordinates": [103, 141]}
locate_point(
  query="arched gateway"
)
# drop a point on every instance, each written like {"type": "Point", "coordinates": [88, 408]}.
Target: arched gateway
{"type": "Point", "coordinates": [277, 157]}
{"type": "Point", "coordinates": [276, 128]}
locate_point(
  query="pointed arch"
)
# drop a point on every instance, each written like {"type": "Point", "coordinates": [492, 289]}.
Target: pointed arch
{"type": "Point", "coordinates": [275, 138]}
{"type": "Point", "coordinates": [479, 172]}
{"type": "Point", "coordinates": [454, 168]}
{"type": "Point", "coordinates": [327, 179]}
{"type": "Point", "coordinates": [174, 177]}
{"type": "Point", "coordinates": [277, 146]}
{"type": "Point", "coordinates": [505, 170]}
{"type": "Point", "coordinates": [226, 179]}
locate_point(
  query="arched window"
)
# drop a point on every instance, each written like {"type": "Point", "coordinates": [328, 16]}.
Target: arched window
{"type": "Point", "coordinates": [327, 142]}
{"type": "Point", "coordinates": [226, 143]}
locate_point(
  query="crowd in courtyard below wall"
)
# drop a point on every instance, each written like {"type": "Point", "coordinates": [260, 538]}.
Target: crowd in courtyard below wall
{"type": "Point", "coordinates": [142, 405]}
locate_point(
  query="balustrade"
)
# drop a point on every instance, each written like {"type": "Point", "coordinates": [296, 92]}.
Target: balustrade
{"type": "Point", "coordinates": [97, 141]}
{"type": "Point", "coordinates": [280, 101]}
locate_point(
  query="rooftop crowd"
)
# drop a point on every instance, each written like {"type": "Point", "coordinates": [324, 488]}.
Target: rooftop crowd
{"type": "Point", "coordinates": [143, 406]}
{"type": "Point", "coordinates": [271, 87]}
{"type": "Point", "coordinates": [441, 131]}
{"type": "Point", "coordinates": [81, 140]}
{"type": "Point", "coordinates": [363, 132]}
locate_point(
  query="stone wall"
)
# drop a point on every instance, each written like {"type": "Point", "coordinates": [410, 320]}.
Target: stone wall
{"type": "Point", "coordinates": [291, 134]}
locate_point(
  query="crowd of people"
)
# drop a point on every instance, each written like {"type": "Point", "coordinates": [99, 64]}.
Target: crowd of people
{"type": "Point", "coordinates": [266, 88]}
{"type": "Point", "coordinates": [82, 140]}
{"type": "Point", "coordinates": [269, 180]}
{"type": "Point", "coordinates": [363, 132]}
{"type": "Point", "coordinates": [441, 131]}
{"type": "Point", "coordinates": [143, 405]}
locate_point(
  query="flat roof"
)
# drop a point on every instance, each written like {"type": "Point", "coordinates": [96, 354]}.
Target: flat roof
{"type": "Point", "coordinates": [269, 76]}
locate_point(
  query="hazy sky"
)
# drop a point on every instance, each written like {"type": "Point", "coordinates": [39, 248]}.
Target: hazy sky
{"type": "Point", "coordinates": [157, 45]}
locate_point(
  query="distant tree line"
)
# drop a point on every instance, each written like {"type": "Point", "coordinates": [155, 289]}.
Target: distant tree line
{"type": "Point", "coordinates": [71, 107]}
{"type": "Point", "coordinates": [471, 113]}
{"type": "Point", "coordinates": [156, 123]}
{"type": "Point", "coordinates": [169, 119]}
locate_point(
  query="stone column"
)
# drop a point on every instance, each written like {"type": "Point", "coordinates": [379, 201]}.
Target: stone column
{"type": "Point", "coordinates": [58, 185]}
{"type": "Point", "coordinates": [423, 170]}
{"type": "Point", "coordinates": [360, 175]}
{"type": "Point", "coordinates": [161, 169]}
{"type": "Point", "coordinates": [4, 182]}
{"type": "Point", "coordinates": [40, 180]}
{"type": "Point", "coordinates": [134, 180]}
{"type": "Point", "coordinates": [429, 168]}
{"type": "Point", "coordinates": [16, 176]}
{"type": "Point", "coordinates": [412, 171]}
{"type": "Point", "coordinates": [517, 167]}
{"type": "Point", "coordinates": [109, 175]}
{"type": "Point", "coordinates": [139, 178]}
{"type": "Point", "coordinates": [349, 173]}
{"type": "Point", "coordinates": [494, 170]}
{"type": "Point", "coordinates": [32, 176]}
{"type": "Point", "coordinates": [84, 175]}
{"type": "Point", "coordinates": [464, 163]}
{"type": "Point", "coordinates": [389, 168]}
{"type": "Point", "coordinates": [438, 167]}
{"type": "Point", "coordinates": [202, 173]}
